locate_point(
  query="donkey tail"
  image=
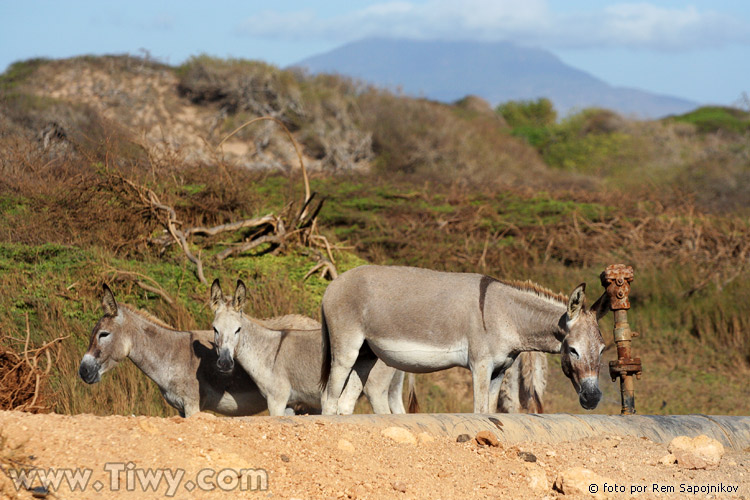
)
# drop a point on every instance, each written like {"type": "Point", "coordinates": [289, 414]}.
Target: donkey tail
{"type": "Point", "coordinates": [325, 369]}
{"type": "Point", "coordinates": [413, 403]}
{"type": "Point", "coordinates": [533, 381]}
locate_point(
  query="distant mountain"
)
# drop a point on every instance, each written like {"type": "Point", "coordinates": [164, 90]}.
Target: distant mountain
{"type": "Point", "coordinates": [497, 71]}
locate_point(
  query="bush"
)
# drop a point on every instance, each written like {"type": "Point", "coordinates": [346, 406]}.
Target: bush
{"type": "Point", "coordinates": [440, 142]}
{"type": "Point", "coordinates": [710, 119]}
{"type": "Point", "coordinates": [539, 113]}
{"type": "Point", "coordinates": [239, 85]}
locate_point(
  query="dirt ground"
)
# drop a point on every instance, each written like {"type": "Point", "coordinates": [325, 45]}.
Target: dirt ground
{"type": "Point", "coordinates": [263, 457]}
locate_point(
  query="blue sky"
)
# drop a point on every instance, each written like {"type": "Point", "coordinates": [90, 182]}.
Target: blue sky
{"type": "Point", "coordinates": [699, 50]}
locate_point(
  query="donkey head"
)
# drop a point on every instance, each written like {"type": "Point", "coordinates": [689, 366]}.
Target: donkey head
{"type": "Point", "coordinates": [583, 344]}
{"type": "Point", "coordinates": [227, 323]}
{"type": "Point", "coordinates": [109, 343]}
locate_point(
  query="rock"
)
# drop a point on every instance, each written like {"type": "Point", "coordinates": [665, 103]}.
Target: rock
{"type": "Point", "coordinates": [284, 458]}
{"type": "Point", "coordinates": [399, 486]}
{"type": "Point", "coordinates": [581, 481]}
{"type": "Point", "coordinates": [701, 452]}
{"type": "Point", "coordinates": [669, 459]}
{"type": "Point", "coordinates": [536, 478]}
{"type": "Point", "coordinates": [462, 438]}
{"type": "Point", "coordinates": [527, 456]}
{"type": "Point", "coordinates": [487, 438]}
{"type": "Point", "coordinates": [399, 434]}
{"type": "Point", "coordinates": [345, 445]}
{"type": "Point", "coordinates": [423, 437]}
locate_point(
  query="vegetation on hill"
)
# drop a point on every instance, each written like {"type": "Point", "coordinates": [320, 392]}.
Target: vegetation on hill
{"type": "Point", "coordinates": [512, 193]}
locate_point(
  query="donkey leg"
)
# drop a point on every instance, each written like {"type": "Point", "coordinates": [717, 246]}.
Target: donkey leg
{"type": "Point", "coordinates": [377, 387]}
{"type": "Point", "coordinates": [277, 405]}
{"type": "Point", "coordinates": [190, 410]}
{"type": "Point", "coordinates": [341, 366]}
{"type": "Point", "coordinates": [509, 401]}
{"type": "Point", "coordinates": [495, 384]}
{"type": "Point", "coordinates": [395, 393]}
{"type": "Point", "coordinates": [350, 395]}
{"type": "Point", "coordinates": [481, 373]}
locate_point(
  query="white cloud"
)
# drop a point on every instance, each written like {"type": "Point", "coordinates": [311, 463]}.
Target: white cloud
{"type": "Point", "coordinates": [642, 25]}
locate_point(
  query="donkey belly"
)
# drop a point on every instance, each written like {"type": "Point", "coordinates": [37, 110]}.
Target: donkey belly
{"type": "Point", "coordinates": [417, 357]}
{"type": "Point", "coordinates": [238, 404]}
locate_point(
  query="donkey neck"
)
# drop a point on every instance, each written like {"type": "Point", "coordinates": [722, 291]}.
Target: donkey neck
{"type": "Point", "coordinates": [259, 352]}
{"type": "Point", "coordinates": [152, 347]}
{"type": "Point", "coordinates": [536, 319]}
{"type": "Point", "coordinates": [259, 341]}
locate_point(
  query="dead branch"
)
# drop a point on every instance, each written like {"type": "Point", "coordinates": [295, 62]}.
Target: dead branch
{"type": "Point", "coordinates": [249, 245]}
{"type": "Point", "coordinates": [326, 268]}
{"type": "Point", "coordinates": [136, 277]}
{"type": "Point", "coordinates": [150, 200]}
{"type": "Point", "coordinates": [232, 226]}
{"type": "Point", "coordinates": [270, 228]}
{"type": "Point", "coordinates": [21, 377]}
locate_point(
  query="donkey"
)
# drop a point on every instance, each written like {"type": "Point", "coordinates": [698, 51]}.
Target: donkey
{"type": "Point", "coordinates": [523, 385]}
{"type": "Point", "coordinates": [419, 320]}
{"type": "Point", "coordinates": [285, 362]}
{"type": "Point", "coordinates": [183, 364]}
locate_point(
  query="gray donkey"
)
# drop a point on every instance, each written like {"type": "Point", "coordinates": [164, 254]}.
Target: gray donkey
{"type": "Point", "coordinates": [522, 389]}
{"type": "Point", "coordinates": [523, 385]}
{"type": "Point", "coordinates": [183, 364]}
{"type": "Point", "coordinates": [285, 362]}
{"type": "Point", "coordinates": [419, 320]}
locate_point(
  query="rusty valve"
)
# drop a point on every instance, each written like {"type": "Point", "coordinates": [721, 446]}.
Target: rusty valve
{"type": "Point", "coordinates": [616, 281]}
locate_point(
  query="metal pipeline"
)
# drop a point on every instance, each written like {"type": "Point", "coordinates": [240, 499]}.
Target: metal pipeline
{"type": "Point", "coordinates": [616, 280]}
{"type": "Point", "coordinates": [732, 431]}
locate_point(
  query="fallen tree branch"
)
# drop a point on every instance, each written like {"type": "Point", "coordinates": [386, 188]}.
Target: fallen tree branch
{"type": "Point", "coordinates": [249, 245]}
{"type": "Point", "coordinates": [155, 288]}
{"type": "Point", "coordinates": [232, 226]}
{"type": "Point", "coordinates": [327, 268]}
{"type": "Point", "coordinates": [21, 377]}
{"type": "Point", "coordinates": [269, 229]}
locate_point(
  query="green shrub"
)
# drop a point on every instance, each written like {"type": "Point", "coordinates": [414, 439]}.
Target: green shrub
{"type": "Point", "coordinates": [538, 113]}
{"type": "Point", "coordinates": [709, 119]}
{"type": "Point", "coordinates": [18, 72]}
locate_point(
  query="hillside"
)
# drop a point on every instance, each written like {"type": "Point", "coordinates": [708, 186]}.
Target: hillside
{"type": "Point", "coordinates": [94, 148]}
{"type": "Point", "coordinates": [497, 71]}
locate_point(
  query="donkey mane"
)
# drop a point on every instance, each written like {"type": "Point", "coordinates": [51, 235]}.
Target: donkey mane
{"type": "Point", "coordinates": [536, 289]}
{"type": "Point", "coordinates": [147, 316]}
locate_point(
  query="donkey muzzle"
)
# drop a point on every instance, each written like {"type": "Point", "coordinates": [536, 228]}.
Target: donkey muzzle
{"type": "Point", "coordinates": [589, 395]}
{"type": "Point", "coordinates": [89, 369]}
{"type": "Point", "coordinates": [225, 363]}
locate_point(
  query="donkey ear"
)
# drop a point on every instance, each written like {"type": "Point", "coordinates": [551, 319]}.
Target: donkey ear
{"type": "Point", "coordinates": [217, 296]}
{"type": "Point", "coordinates": [602, 306]}
{"type": "Point", "coordinates": [109, 304]}
{"type": "Point", "coordinates": [240, 296]}
{"type": "Point", "coordinates": [575, 303]}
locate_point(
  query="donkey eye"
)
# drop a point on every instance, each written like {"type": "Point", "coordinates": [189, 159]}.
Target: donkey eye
{"type": "Point", "coordinates": [574, 353]}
